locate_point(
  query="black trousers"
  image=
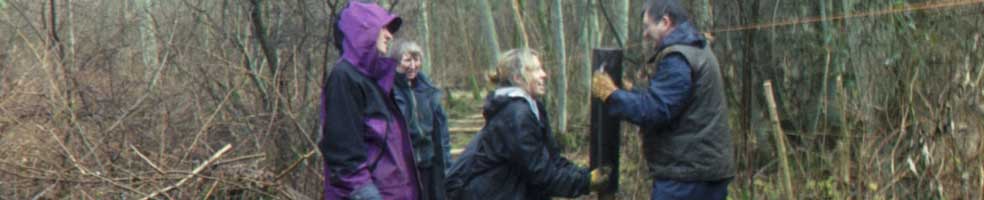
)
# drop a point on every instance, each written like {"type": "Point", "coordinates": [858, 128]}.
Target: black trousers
{"type": "Point", "coordinates": [432, 181]}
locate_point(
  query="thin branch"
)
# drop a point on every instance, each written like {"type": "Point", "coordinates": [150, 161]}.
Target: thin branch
{"type": "Point", "coordinates": [294, 164]}
{"type": "Point", "coordinates": [208, 122]}
{"type": "Point", "coordinates": [158, 169]}
{"type": "Point", "coordinates": [193, 173]}
{"type": "Point", "coordinates": [147, 92]}
{"type": "Point", "coordinates": [236, 159]}
{"type": "Point", "coordinates": [211, 189]}
{"type": "Point", "coordinates": [68, 153]}
{"type": "Point", "coordinates": [604, 13]}
{"type": "Point", "coordinates": [20, 12]}
{"type": "Point", "coordinates": [41, 194]}
{"type": "Point", "coordinates": [393, 5]}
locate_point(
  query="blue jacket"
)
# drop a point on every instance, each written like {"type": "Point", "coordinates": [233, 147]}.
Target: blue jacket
{"type": "Point", "coordinates": [515, 155]}
{"type": "Point", "coordinates": [654, 106]}
{"type": "Point", "coordinates": [420, 104]}
{"type": "Point", "coordinates": [430, 118]}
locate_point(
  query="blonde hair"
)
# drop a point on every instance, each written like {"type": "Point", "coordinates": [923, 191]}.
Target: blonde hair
{"type": "Point", "coordinates": [511, 64]}
{"type": "Point", "coordinates": [403, 47]}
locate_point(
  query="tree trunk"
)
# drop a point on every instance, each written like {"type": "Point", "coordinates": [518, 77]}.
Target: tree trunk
{"type": "Point", "coordinates": [621, 21]}
{"type": "Point", "coordinates": [747, 14]}
{"type": "Point", "coordinates": [259, 31]}
{"type": "Point", "coordinates": [279, 141]}
{"type": "Point", "coordinates": [425, 37]}
{"type": "Point", "coordinates": [520, 24]}
{"type": "Point", "coordinates": [705, 14]}
{"type": "Point", "coordinates": [589, 27]}
{"type": "Point", "coordinates": [844, 146]}
{"type": "Point", "coordinates": [490, 35]}
{"type": "Point", "coordinates": [148, 38]}
{"type": "Point", "coordinates": [561, 72]}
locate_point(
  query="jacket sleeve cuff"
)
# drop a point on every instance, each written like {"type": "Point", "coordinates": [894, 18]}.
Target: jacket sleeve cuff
{"type": "Point", "coordinates": [366, 192]}
{"type": "Point", "coordinates": [614, 103]}
{"type": "Point", "coordinates": [586, 186]}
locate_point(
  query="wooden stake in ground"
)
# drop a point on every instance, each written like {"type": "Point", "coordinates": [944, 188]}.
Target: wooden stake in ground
{"type": "Point", "coordinates": [787, 176]}
{"type": "Point", "coordinates": [844, 146]}
{"type": "Point", "coordinates": [606, 131]}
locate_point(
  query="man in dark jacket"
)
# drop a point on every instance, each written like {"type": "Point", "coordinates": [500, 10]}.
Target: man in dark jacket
{"type": "Point", "coordinates": [364, 140]}
{"type": "Point", "coordinates": [420, 104]}
{"type": "Point", "coordinates": [682, 113]}
{"type": "Point", "coordinates": [514, 156]}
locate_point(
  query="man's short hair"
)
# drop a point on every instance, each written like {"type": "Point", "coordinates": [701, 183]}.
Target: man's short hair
{"type": "Point", "coordinates": [672, 8]}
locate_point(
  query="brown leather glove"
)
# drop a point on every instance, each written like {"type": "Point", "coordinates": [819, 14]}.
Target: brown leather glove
{"type": "Point", "coordinates": [599, 178]}
{"type": "Point", "coordinates": [602, 85]}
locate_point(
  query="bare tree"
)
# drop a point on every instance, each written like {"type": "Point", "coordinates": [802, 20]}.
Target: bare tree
{"type": "Point", "coordinates": [491, 36]}
{"type": "Point", "coordinates": [560, 54]}
{"type": "Point", "coordinates": [589, 29]}
{"type": "Point", "coordinates": [524, 40]}
{"type": "Point", "coordinates": [425, 36]}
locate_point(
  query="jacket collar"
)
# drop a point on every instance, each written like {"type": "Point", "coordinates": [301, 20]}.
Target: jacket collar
{"type": "Point", "coordinates": [684, 33]}
{"type": "Point", "coordinates": [516, 92]}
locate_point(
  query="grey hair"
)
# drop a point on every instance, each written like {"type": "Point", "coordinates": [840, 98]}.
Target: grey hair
{"type": "Point", "coordinates": [403, 47]}
{"type": "Point", "coordinates": [511, 64]}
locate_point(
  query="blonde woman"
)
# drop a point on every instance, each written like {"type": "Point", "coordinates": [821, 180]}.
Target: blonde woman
{"type": "Point", "coordinates": [515, 155]}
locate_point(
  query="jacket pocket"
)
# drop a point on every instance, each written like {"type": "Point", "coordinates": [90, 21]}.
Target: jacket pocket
{"type": "Point", "coordinates": [386, 172]}
{"type": "Point", "coordinates": [376, 130]}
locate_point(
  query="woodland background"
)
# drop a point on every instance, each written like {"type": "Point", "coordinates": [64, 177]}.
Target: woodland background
{"type": "Point", "coordinates": [138, 98]}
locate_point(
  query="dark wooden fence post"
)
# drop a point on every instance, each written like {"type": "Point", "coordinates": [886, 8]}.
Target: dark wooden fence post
{"type": "Point", "coordinates": [605, 131]}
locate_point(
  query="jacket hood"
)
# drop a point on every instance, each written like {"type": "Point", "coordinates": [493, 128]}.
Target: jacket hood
{"type": "Point", "coordinates": [361, 23]}
{"type": "Point", "coordinates": [685, 33]}
{"type": "Point", "coordinates": [498, 99]}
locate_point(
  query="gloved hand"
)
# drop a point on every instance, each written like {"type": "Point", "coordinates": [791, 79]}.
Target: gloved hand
{"type": "Point", "coordinates": [367, 192]}
{"type": "Point", "coordinates": [599, 178]}
{"type": "Point", "coordinates": [602, 85]}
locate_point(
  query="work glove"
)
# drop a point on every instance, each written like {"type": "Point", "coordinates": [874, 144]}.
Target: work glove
{"type": "Point", "coordinates": [602, 85]}
{"type": "Point", "coordinates": [599, 178]}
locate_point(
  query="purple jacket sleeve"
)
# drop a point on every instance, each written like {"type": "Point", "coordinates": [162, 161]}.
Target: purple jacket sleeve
{"type": "Point", "coordinates": [342, 144]}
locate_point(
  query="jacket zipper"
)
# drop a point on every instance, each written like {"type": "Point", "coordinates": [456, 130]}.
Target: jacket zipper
{"type": "Point", "coordinates": [413, 155]}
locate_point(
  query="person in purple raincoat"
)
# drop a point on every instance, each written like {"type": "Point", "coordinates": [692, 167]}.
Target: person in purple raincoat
{"type": "Point", "coordinates": [364, 140]}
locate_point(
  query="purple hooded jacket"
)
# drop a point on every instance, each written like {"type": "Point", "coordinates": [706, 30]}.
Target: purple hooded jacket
{"type": "Point", "coordinates": [364, 140]}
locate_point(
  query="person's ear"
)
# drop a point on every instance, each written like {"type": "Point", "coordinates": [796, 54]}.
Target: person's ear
{"type": "Point", "coordinates": [518, 80]}
{"type": "Point", "coordinates": [668, 20]}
